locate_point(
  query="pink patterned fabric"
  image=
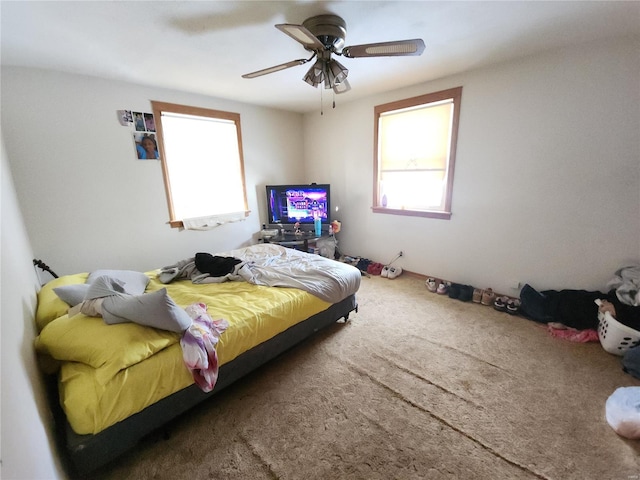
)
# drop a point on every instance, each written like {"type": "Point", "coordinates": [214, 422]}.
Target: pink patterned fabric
{"type": "Point", "coordinates": [573, 335]}
{"type": "Point", "coordinates": [198, 344]}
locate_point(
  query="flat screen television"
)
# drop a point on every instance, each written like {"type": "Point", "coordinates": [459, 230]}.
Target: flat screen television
{"type": "Point", "coordinates": [288, 204]}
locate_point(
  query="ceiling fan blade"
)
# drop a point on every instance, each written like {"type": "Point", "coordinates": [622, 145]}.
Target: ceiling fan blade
{"type": "Point", "coordinates": [276, 68]}
{"type": "Point", "coordinates": [302, 35]}
{"type": "Point", "coordinates": [342, 87]}
{"type": "Point", "coordinates": [385, 49]}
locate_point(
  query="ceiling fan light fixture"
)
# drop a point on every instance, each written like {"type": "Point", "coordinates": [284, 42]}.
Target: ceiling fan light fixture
{"type": "Point", "coordinates": [315, 75]}
{"type": "Point", "coordinates": [311, 80]}
{"type": "Point", "coordinates": [342, 86]}
{"type": "Point", "coordinates": [338, 72]}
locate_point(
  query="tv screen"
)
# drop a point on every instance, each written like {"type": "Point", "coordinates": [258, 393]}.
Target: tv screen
{"type": "Point", "coordinates": [288, 204]}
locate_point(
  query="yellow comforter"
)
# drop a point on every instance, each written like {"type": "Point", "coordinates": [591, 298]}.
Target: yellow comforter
{"type": "Point", "coordinates": [109, 372]}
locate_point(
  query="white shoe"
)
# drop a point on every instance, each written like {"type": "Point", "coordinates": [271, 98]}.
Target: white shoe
{"type": "Point", "coordinates": [385, 272]}
{"type": "Point", "coordinates": [394, 272]}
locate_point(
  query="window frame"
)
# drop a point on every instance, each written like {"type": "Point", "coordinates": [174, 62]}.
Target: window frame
{"type": "Point", "coordinates": [455, 94]}
{"type": "Point", "coordinates": [159, 107]}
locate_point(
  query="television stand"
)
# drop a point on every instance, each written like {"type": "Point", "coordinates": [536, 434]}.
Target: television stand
{"type": "Point", "coordinates": [299, 241]}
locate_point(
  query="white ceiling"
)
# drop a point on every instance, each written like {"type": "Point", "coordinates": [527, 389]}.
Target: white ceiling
{"type": "Point", "coordinates": [205, 47]}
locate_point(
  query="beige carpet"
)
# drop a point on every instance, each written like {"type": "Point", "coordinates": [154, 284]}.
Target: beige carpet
{"type": "Point", "coordinates": [415, 385]}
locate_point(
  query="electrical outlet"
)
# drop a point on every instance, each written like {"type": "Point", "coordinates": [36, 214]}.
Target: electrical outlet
{"type": "Point", "coordinates": [515, 284]}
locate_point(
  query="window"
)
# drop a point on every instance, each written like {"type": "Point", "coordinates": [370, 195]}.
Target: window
{"type": "Point", "coordinates": [415, 149]}
{"type": "Point", "coordinates": [202, 164]}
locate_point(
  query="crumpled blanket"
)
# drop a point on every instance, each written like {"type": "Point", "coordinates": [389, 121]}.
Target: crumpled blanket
{"type": "Point", "coordinates": [198, 344]}
{"type": "Point", "coordinates": [105, 298]}
{"type": "Point", "coordinates": [627, 285]}
{"type": "Point", "coordinates": [272, 265]}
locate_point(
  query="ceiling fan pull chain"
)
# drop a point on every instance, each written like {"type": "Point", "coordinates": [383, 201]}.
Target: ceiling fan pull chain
{"type": "Point", "coordinates": [321, 103]}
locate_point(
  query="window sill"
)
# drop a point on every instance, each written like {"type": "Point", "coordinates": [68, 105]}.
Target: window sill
{"type": "Point", "coordinates": [180, 223]}
{"type": "Point", "coordinates": [413, 213]}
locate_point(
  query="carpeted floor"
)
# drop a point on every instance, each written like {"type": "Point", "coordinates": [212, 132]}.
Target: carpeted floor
{"type": "Point", "coordinates": [415, 385]}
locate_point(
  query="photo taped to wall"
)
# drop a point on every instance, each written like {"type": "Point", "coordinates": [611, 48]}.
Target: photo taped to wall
{"type": "Point", "coordinates": [146, 146]}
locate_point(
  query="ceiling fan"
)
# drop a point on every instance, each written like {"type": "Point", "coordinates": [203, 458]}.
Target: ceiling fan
{"type": "Point", "coordinates": [324, 35]}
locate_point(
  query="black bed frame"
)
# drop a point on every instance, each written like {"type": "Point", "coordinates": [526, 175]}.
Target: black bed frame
{"type": "Point", "coordinates": [86, 453]}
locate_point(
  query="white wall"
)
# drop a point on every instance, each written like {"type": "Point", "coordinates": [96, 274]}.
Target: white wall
{"type": "Point", "coordinates": [547, 180]}
{"type": "Point", "coordinates": [89, 203]}
{"type": "Point", "coordinates": [26, 442]}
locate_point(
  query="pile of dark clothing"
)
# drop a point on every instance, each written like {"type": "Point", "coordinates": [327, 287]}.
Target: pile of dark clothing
{"type": "Point", "coordinates": [215, 265]}
{"type": "Point", "coordinates": [577, 308]}
{"type": "Point", "coordinates": [203, 268]}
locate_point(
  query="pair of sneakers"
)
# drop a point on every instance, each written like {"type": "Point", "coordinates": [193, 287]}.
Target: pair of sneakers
{"type": "Point", "coordinates": [506, 304]}
{"type": "Point", "coordinates": [437, 286]}
{"type": "Point", "coordinates": [390, 272]}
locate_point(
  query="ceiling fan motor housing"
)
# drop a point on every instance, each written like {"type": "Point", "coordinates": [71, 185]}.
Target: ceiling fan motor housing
{"type": "Point", "coordinates": [331, 30]}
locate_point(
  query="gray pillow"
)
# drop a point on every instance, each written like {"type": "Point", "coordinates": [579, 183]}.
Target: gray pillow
{"type": "Point", "coordinates": [155, 309]}
{"type": "Point", "coordinates": [135, 283]}
{"type": "Point", "coordinates": [72, 294]}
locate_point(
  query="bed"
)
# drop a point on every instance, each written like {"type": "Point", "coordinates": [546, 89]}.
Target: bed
{"type": "Point", "coordinates": [118, 382]}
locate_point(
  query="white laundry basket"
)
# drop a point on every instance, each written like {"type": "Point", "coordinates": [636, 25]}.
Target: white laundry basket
{"type": "Point", "coordinates": [615, 337]}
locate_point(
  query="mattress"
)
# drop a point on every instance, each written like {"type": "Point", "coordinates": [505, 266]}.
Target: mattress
{"type": "Point", "coordinates": [107, 373]}
{"type": "Point", "coordinates": [95, 398]}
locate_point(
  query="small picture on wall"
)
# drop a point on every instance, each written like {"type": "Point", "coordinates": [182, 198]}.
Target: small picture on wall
{"type": "Point", "coordinates": [149, 122]}
{"type": "Point", "coordinates": [125, 118]}
{"type": "Point", "coordinates": [146, 146]}
{"type": "Point", "coordinates": [138, 121]}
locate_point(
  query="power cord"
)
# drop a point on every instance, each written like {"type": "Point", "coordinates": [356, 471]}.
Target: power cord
{"type": "Point", "coordinates": [396, 258]}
